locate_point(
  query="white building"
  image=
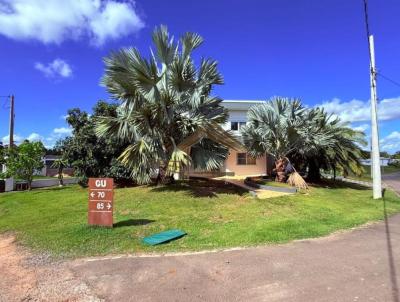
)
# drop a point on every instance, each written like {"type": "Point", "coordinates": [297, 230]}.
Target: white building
{"type": "Point", "coordinates": [240, 163]}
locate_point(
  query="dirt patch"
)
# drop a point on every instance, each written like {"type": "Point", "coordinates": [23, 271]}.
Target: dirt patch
{"type": "Point", "coordinates": [29, 277]}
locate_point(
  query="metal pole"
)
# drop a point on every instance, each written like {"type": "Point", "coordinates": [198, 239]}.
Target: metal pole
{"type": "Point", "coordinates": [376, 170]}
{"type": "Point", "coordinates": [12, 115]}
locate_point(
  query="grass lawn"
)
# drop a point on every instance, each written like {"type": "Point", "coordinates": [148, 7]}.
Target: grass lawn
{"type": "Point", "coordinates": [271, 182]}
{"type": "Point", "coordinates": [213, 215]}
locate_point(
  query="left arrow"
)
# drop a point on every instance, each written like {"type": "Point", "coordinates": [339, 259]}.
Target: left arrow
{"type": "Point", "coordinates": [92, 194]}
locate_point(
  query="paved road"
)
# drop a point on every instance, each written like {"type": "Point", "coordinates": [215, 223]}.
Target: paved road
{"type": "Point", "coordinates": [392, 180]}
{"type": "Point", "coordinates": [359, 265]}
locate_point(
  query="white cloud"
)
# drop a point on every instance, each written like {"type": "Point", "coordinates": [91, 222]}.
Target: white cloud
{"type": "Point", "coordinates": [64, 117]}
{"type": "Point", "coordinates": [359, 111]}
{"type": "Point", "coordinates": [34, 137]}
{"type": "Point", "coordinates": [54, 21]}
{"type": "Point", "coordinates": [57, 68]}
{"type": "Point", "coordinates": [391, 143]}
{"type": "Point", "coordinates": [62, 130]}
{"type": "Point", "coordinates": [17, 139]}
{"type": "Point", "coordinates": [362, 127]}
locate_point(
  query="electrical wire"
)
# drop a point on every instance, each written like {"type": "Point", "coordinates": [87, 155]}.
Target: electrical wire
{"type": "Point", "coordinates": [367, 30]}
{"type": "Point", "coordinates": [388, 79]}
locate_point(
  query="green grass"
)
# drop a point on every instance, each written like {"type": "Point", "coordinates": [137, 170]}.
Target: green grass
{"type": "Point", "coordinates": [271, 182]}
{"type": "Point", "coordinates": [213, 215]}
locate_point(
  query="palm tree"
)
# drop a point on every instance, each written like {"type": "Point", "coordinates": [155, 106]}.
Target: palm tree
{"type": "Point", "coordinates": [166, 113]}
{"type": "Point", "coordinates": [273, 127]}
{"type": "Point", "coordinates": [60, 164]}
{"type": "Point", "coordinates": [285, 128]}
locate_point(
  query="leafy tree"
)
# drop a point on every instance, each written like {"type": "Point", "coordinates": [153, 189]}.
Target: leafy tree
{"type": "Point", "coordinates": [385, 154]}
{"type": "Point", "coordinates": [166, 115]}
{"type": "Point", "coordinates": [396, 155]}
{"type": "Point", "coordinates": [341, 150]}
{"type": "Point", "coordinates": [285, 128]}
{"type": "Point", "coordinates": [2, 154]}
{"type": "Point", "coordinates": [88, 154]}
{"type": "Point", "coordinates": [23, 160]}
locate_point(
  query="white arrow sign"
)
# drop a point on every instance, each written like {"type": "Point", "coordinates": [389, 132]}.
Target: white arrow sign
{"type": "Point", "coordinates": [92, 194]}
{"type": "Point", "coordinates": [108, 205]}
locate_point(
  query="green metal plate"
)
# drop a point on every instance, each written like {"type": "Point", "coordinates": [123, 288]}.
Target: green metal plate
{"type": "Point", "coordinates": [163, 237]}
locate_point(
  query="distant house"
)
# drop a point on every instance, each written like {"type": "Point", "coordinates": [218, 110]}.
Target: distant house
{"type": "Point", "coordinates": [384, 161]}
{"type": "Point", "coordinates": [48, 170]}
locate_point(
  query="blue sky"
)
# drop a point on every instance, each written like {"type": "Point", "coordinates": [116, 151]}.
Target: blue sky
{"type": "Point", "coordinates": [51, 54]}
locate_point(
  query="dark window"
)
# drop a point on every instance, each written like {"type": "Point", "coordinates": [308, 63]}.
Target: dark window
{"type": "Point", "coordinates": [234, 126]}
{"type": "Point", "coordinates": [241, 158]}
{"type": "Point", "coordinates": [250, 160]}
{"type": "Point", "coordinates": [245, 159]}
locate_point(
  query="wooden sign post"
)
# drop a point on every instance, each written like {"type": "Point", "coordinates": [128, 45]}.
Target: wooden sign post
{"type": "Point", "coordinates": [101, 201]}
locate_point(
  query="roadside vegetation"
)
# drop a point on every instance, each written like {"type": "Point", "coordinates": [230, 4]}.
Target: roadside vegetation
{"type": "Point", "coordinates": [366, 175]}
{"type": "Point", "coordinates": [23, 161]}
{"type": "Point", "coordinates": [302, 138]}
{"type": "Point", "coordinates": [214, 214]}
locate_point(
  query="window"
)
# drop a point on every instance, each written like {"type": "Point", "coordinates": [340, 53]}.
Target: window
{"type": "Point", "coordinates": [245, 159]}
{"type": "Point", "coordinates": [235, 126]}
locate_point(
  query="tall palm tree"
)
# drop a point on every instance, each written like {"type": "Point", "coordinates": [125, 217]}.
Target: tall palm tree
{"type": "Point", "coordinates": [274, 127]}
{"type": "Point", "coordinates": [285, 128]}
{"type": "Point", "coordinates": [343, 153]}
{"type": "Point", "coordinates": [60, 164]}
{"type": "Point", "coordinates": [166, 111]}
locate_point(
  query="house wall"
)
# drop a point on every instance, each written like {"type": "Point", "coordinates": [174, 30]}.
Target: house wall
{"type": "Point", "coordinates": [260, 168]}
{"type": "Point", "coordinates": [235, 116]}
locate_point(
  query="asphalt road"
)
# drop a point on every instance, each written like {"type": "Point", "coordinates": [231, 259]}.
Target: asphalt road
{"type": "Point", "coordinates": [358, 265]}
{"type": "Point", "coordinates": [393, 181]}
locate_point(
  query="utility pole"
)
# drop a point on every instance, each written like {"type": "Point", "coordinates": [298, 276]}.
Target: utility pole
{"type": "Point", "coordinates": [375, 154]}
{"type": "Point", "coordinates": [12, 116]}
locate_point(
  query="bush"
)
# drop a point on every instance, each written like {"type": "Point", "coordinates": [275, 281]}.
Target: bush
{"type": "Point", "coordinates": [395, 164]}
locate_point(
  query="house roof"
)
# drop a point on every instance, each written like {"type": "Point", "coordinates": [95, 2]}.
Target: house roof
{"type": "Point", "coordinates": [240, 104]}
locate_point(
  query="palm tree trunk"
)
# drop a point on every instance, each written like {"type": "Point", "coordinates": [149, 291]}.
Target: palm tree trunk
{"type": "Point", "coordinates": [60, 177]}
{"type": "Point", "coordinates": [314, 174]}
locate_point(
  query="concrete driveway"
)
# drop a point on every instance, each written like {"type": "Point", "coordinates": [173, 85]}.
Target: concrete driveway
{"type": "Point", "coordinates": [359, 265]}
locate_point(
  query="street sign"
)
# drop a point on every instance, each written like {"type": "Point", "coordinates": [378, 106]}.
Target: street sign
{"type": "Point", "coordinates": [101, 201]}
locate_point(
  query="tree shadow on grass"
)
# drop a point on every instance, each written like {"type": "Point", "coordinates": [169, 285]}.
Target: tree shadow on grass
{"type": "Point", "coordinates": [132, 222]}
{"type": "Point", "coordinates": [201, 188]}
{"type": "Point", "coordinates": [36, 191]}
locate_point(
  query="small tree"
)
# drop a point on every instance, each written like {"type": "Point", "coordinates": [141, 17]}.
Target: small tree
{"type": "Point", "coordinates": [60, 164]}
{"type": "Point", "coordinates": [23, 160]}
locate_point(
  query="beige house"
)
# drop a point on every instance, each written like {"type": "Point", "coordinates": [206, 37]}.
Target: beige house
{"type": "Point", "coordinates": [239, 163]}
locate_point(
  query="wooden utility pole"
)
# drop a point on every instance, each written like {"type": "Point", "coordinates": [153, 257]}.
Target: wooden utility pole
{"type": "Point", "coordinates": [375, 154]}
{"type": "Point", "coordinates": [12, 116]}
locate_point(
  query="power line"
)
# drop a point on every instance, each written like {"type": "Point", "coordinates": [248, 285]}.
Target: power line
{"type": "Point", "coordinates": [5, 104]}
{"type": "Point", "coordinates": [367, 28]}
{"type": "Point", "coordinates": [389, 79]}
